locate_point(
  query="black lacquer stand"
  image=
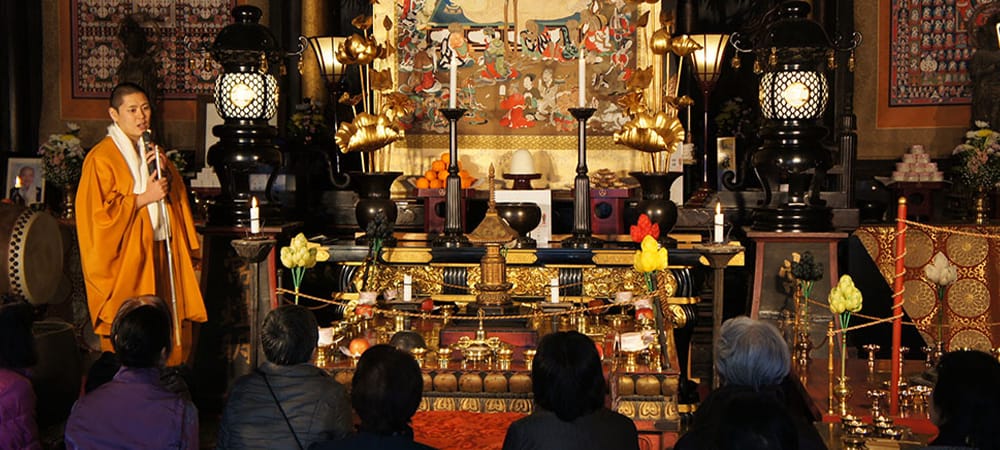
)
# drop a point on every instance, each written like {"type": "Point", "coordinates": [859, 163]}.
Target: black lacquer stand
{"type": "Point", "coordinates": [582, 235]}
{"type": "Point", "coordinates": [253, 250]}
{"type": "Point", "coordinates": [453, 235]}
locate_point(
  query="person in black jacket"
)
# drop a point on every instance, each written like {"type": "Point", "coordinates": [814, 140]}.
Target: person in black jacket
{"type": "Point", "coordinates": [569, 389]}
{"type": "Point", "coordinates": [966, 401]}
{"type": "Point", "coordinates": [385, 391]}
{"type": "Point", "coordinates": [287, 402]}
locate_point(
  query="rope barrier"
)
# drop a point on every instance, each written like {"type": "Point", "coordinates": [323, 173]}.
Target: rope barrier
{"type": "Point", "coordinates": [947, 230]}
{"type": "Point", "coordinates": [424, 315]}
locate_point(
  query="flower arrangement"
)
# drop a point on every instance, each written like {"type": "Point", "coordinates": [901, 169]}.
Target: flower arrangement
{"type": "Point", "coordinates": [644, 227]}
{"type": "Point", "coordinates": [62, 157]}
{"type": "Point", "coordinates": [300, 255]}
{"type": "Point", "coordinates": [736, 118]}
{"type": "Point", "coordinates": [942, 273]}
{"type": "Point", "coordinates": [307, 125]}
{"type": "Point", "coordinates": [377, 232]}
{"type": "Point", "coordinates": [978, 158]}
{"type": "Point", "coordinates": [845, 298]}
{"type": "Point", "coordinates": [807, 271]}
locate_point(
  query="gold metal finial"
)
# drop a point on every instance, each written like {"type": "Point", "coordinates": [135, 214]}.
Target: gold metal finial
{"type": "Point", "coordinates": [493, 198]}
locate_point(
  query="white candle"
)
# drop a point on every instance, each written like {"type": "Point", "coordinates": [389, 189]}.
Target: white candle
{"type": "Point", "coordinates": [407, 288]}
{"type": "Point", "coordinates": [254, 216]}
{"type": "Point", "coordinates": [17, 182]}
{"type": "Point", "coordinates": [582, 75]}
{"type": "Point", "coordinates": [719, 222]}
{"type": "Point", "coordinates": [453, 82]}
{"type": "Point", "coordinates": [554, 290]}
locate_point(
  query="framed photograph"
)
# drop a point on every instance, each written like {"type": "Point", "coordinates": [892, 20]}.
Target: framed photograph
{"type": "Point", "coordinates": [25, 180]}
{"type": "Point", "coordinates": [518, 73]}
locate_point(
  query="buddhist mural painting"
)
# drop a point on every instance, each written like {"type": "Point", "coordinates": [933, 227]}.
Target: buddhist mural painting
{"type": "Point", "coordinates": [517, 62]}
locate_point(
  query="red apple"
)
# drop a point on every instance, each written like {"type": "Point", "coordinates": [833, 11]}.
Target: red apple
{"type": "Point", "coordinates": [427, 305]}
{"type": "Point", "coordinates": [593, 306]}
{"type": "Point", "coordinates": [646, 313]}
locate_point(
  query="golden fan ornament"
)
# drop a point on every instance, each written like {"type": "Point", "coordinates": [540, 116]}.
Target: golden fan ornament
{"type": "Point", "coordinates": [367, 133]}
{"type": "Point", "coordinates": [651, 134]}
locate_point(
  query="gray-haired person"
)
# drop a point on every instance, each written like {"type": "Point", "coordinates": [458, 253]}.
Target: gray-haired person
{"type": "Point", "coordinates": [753, 361]}
{"type": "Point", "coordinates": [287, 402]}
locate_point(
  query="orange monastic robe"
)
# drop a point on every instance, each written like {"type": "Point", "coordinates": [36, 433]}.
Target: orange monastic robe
{"type": "Point", "coordinates": [119, 256]}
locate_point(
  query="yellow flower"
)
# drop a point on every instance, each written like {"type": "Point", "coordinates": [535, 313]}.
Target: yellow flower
{"type": "Point", "coordinates": [302, 253]}
{"type": "Point", "coordinates": [845, 297]}
{"type": "Point", "coordinates": [650, 257]}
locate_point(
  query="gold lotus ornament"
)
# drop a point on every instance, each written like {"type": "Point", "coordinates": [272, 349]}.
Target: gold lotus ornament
{"type": "Point", "coordinates": [633, 103]}
{"type": "Point", "coordinates": [679, 102]}
{"type": "Point", "coordinates": [683, 45]}
{"type": "Point", "coordinates": [659, 43]}
{"type": "Point", "coordinates": [358, 49]}
{"type": "Point", "coordinates": [651, 134]}
{"type": "Point", "coordinates": [396, 106]}
{"type": "Point", "coordinates": [367, 133]}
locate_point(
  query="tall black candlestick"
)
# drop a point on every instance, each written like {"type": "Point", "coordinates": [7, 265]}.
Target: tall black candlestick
{"type": "Point", "coordinates": [453, 235]}
{"type": "Point", "coordinates": [582, 235]}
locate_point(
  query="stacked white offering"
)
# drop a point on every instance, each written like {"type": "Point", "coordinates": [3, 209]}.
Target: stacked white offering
{"type": "Point", "coordinates": [917, 166]}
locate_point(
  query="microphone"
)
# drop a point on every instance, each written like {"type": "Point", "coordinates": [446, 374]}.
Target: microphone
{"type": "Point", "coordinates": [147, 139]}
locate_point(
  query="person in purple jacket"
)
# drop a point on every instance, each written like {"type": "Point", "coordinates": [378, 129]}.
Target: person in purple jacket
{"type": "Point", "coordinates": [18, 428]}
{"type": "Point", "coordinates": [135, 410]}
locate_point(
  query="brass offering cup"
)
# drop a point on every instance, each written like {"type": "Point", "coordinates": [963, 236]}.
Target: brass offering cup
{"type": "Point", "coordinates": [505, 355]}
{"type": "Point", "coordinates": [419, 354]}
{"type": "Point", "coordinates": [529, 357]}
{"type": "Point", "coordinates": [444, 356]}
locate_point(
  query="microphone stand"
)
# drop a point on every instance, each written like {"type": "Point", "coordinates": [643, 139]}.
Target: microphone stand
{"type": "Point", "coordinates": [165, 218]}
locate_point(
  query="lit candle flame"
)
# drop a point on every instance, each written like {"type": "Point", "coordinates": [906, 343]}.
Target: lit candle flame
{"type": "Point", "coordinates": [718, 207]}
{"type": "Point", "coordinates": [253, 202]}
{"type": "Point", "coordinates": [17, 182]}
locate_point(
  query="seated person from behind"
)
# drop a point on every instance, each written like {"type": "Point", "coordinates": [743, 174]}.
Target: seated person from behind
{"type": "Point", "coordinates": [287, 402]}
{"type": "Point", "coordinates": [966, 401]}
{"type": "Point", "coordinates": [135, 409]}
{"type": "Point", "coordinates": [18, 428]}
{"type": "Point", "coordinates": [569, 387]}
{"type": "Point", "coordinates": [385, 392]}
{"type": "Point", "coordinates": [752, 360]}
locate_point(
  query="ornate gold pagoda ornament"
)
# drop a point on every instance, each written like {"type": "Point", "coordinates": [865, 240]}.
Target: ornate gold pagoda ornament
{"type": "Point", "coordinates": [492, 232]}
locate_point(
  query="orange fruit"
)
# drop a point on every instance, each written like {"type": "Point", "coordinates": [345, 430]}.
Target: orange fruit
{"type": "Point", "coordinates": [467, 182]}
{"type": "Point", "coordinates": [463, 173]}
{"type": "Point", "coordinates": [438, 166]}
{"type": "Point", "coordinates": [358, 346]}
{"type": "Point", "coordinates": [423, 183]}
{"type": "Point", "coordinates": [436, 184]}
{"type": "Point", "coordinates": [445, 158]}
{"type": "Point", "coordinates": [443, 175]}
{"type": "Point", "coordinates": [431, 175]}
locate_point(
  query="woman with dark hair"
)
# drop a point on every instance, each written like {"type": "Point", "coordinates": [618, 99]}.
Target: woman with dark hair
{"type": "Point", "coordinates": [135, 410]}
{"type": "Point", "coordinates": [385, 393]}
{"type": "Point", "coordinates": [287, 402]}
{"type": "Point", "coordinates": [569, 387]}
{"type": "Point", "coordinates": [966, 401]}
{"type": "Point", "coordinates": [18, 428]}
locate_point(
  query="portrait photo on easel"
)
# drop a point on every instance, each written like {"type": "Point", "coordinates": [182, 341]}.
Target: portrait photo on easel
{"type": "Point", "coordinates": [25, 181]}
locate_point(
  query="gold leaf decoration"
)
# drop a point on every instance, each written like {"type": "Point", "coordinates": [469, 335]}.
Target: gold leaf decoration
{"type": "Point", "coordinates": [358, 50]}
{"type": "Point", "coordinates": [641, 78]}
{"type": "Point", "coordinates": [683, 45]}
{"type": "Point", "coordinates": [381, 80]}
{"type": "Point", "coordinates": [396, 106]}
{"type": "Point", "coordinates": [366, 133]}
{"type": "Point", "coordinates": [643, 20]}
{"type": "Point", "coordinates": [362, 22]}
{"type": "Point", "coordinates": [633, 102]}
{"type": "Point", "coordinates": [651, 134]}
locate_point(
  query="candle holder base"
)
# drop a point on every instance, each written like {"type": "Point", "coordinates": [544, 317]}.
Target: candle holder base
{"type": "Point", "coordinates": [522, 181]}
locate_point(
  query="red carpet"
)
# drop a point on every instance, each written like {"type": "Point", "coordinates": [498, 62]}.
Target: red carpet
{"type": "Point", "coordinates": [457, 430]}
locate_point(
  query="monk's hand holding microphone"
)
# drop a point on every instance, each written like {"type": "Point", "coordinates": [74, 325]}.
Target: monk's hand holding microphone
{"type": "Point", "coordinates": [157, 185]}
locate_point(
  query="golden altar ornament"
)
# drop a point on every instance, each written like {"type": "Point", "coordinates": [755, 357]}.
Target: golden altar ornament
{"type": "Point", "coordinates": [492, 232]}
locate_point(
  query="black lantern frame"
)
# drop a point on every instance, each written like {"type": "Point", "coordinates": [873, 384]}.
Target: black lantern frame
{"type": "Point", "coordinates": [792, 56]}
{"type": "Point", "coordinates": [246, 97]}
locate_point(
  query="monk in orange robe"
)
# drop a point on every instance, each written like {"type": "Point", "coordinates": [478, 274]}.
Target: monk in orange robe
{"type": "Point", "coordinates": [122, 231]}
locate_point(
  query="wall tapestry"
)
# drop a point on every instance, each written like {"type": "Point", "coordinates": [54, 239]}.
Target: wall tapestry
{"type": "Point", "coordinates": [931, 52]}
{"type": "Point", "coordinates": [517, 62]}
{"type": "Point", "coordinates": [156, 38]}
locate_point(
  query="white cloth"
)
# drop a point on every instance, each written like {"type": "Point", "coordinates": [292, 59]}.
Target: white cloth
{"type": "Point", "coordinates": [140, 175]}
